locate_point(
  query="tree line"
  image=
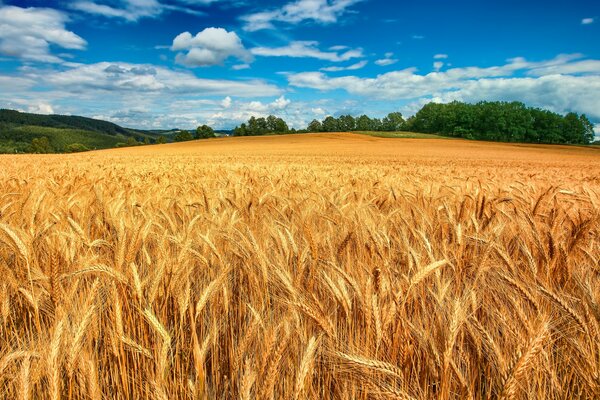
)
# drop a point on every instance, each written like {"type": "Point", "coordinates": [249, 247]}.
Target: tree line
{"type": "Point", "coordinates": [494, 121]}
{"type": "Point", "coordinates": [262, 126]}
{"type": "Point", "coordinates": [502, 121]}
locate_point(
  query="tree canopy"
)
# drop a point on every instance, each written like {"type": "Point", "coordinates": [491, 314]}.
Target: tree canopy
{"type": "Point", "coordinates": [496, 121]}
{"type": "Point", "coordinates": [204, 132]}
{"type": "Point", "coordinates": [501, 121]}
{"type": "Point", "coordinates": [262, 126]}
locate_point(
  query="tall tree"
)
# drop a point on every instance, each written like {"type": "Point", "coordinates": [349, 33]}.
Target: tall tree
{"type": "Point", "coordinates": [41, 146]}
{"type": "Point", "coordinates": [393, 122]}
{"type": "Point", "coordinates": [315, 126]}
{"type": "Point", "coordinates": [346, 123]}
{"type": "Point", "coordinates": [330, 124]}
{"type": "Point", "coordinates": [204, 132]}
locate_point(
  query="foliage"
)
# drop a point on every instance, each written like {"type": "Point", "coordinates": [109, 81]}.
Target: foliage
{"type": "Point", "coordinates": [161, 140]}
{"type": "Point", "coordinates": [204, 132]}
{"type": "Point", "coordinates": [262, 126]}
{"type": "Point", "coordinates": [41, 146]}
{"type": "Point", "coordinates": [76, 148]}
{"type": "Point", "coordinates": [17, 130]}
{"type": "Point", "coordinates": [183, 136]}
{"type": "Point", "coordinates": [501, 121]}
{"type": "Point", "coordinates": [64, 122]}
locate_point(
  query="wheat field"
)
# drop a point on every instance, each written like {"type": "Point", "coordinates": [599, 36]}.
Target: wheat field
{"type": "Point", "coordinates": [330, 266]}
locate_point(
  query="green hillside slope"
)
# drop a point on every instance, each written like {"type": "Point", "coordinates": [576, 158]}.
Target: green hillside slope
{"type": "Point", "coordinates": [18, 130]}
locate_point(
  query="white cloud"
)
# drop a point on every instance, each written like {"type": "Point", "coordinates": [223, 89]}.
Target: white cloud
{"type": "Point", "coordinates": [440, 56]}
{"type": "Point", "coordinates": [144, 96]}
{"type": "Point", "coordinates": [140, 79]}
{"type": "Point", "coordinates": [226, 116]}
{"type": "Point", "coordinates": [133, 10]}
{"type": "Point", "coordinates": [41, 108]}
{"type": "Point", "coordinates": [29, 33]}
{"type": "Point", "coordinates": [239, 67]}
{"type": "Point", "coordinates": [210, 47]}
{"type": "Point", "coordinates": [577, 67]}
{"type": "Point", "coordinates": [388, 60]}
{"type": "Point", "coordinates": [437, 65]}
{"type": "Point", "coordinates": [353, 67]}
{"type": "Point", "coordinates": [307, 49]}
{"type": "Point", "coordinates": [226, 103]}
{"type": "Point", "coordinates": [550, 84]}
{"type": "Point", "coordinates": [587, 21]}
{"type": "Point", "coordinates": [418, 37]}
{"type": "Point", "coordinates": [320, 11]}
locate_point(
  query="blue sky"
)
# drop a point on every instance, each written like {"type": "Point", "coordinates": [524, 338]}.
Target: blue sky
{"type": "Point", "coordinates": [181, 63]}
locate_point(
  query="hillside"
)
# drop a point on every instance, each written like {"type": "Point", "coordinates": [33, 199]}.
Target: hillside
{"type": "Point", "coordinates": [18, 130]}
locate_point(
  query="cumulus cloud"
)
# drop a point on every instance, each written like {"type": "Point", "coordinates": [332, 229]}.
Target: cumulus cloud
{"type": "Point", "coordinates": [40, 108]}
{"type": "Point", "coordinates": [437, 65]}
{"type": "Point", "coordinates": [353, 67]}
{"type": "Point", "coordinates": [220, 114]}
{"type": "Point", "coordinates": [123, 78]}
{"type": "Point", "coordinates": [29, 33]}
{"type": "Point", "coordinates": [210, 47]}
{"type": "Point", "coordinates": [440, 56]}
{"type": "Point", "coordinates": [552, 84]}
{"type": "Point", "coordinates": [387, 60]}
{"type": "Point", "coordinates": [140, 95]}
{"type": "Point", "coordinates": [319, 11]}
{"type": "Point", "coordinates": [308, 49]}
{"type": "Point", "coordinates": [587, 21]}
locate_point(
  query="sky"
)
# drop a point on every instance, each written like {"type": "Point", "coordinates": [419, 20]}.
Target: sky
{"type": "Point", "coordinates": [162, 64]}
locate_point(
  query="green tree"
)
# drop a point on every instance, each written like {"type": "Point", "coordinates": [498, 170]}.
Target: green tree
{"type": "Point", "coordinates": [330, 124]}
{"type": "Point", "coordinates": [276, 125]}
{"type": "Point", "coordinates": [393, 122]}
{"type": "Point", "coordinates": [41, 146]}
{"type": "Point", "coordinates": [131, 141]}
{"type": "Point", "coordinates": [161, 140]}
{"type": "Point", "coordinates": [241, 130]}
{"type": "Point", "coordinates": [364, 123]}
{"type": "Point", "coordinates": [588, 129]}
{"type": "Point", "coordinates": [315, 126]}
{"type": "Point", "coordinates": [346, 123]}
{"type": "Point", "coordinates": [76, 148]}
{"type": "Point", "coordinates": [204, 132]}
{"type": "Point", "coordinates": [183, 136]}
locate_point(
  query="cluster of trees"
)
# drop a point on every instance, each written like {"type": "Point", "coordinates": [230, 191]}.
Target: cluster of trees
{"type": "Point", "coordinates": [202, 132]}
{"type": "Point", "coordinates": [43, 146]}
{"type": "Point", "coordinates": [262, 126]}
{"type": "Point", "coordinates": [501, 121]}
{"type": "Point", "coordinates": [347, 123]}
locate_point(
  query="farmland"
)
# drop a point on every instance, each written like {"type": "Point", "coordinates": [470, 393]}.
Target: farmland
{"type": "Point", "coordinates": [305, 266]}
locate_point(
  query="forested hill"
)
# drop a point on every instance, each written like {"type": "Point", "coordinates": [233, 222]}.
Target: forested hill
{"type": "Point", "coordinates": [24, 132]}
{"type": "Point", "coordinates": [64, 121]}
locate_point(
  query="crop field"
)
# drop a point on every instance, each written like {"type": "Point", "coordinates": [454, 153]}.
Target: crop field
{"type": "Point", "coordinates": [317, 266]}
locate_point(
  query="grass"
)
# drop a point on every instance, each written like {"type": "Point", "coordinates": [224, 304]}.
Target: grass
{"type": "Point", "coordinates": [310, 266]}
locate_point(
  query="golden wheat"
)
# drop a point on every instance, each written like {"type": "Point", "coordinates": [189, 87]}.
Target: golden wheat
{"type": "Point", "coordinates": [309, 266]}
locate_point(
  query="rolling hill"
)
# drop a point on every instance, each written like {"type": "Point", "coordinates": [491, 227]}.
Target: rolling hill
{"type": "Point", "coordinates": [18, 129]}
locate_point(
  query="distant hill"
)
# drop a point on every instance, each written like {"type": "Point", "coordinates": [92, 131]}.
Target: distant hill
{"type": "Point", "coordinates": [18, 130]}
